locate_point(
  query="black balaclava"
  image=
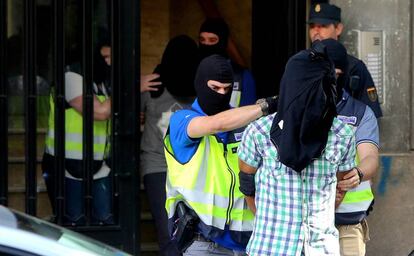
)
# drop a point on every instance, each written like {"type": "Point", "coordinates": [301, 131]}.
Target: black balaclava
{"type": "Point", "coordinates": [178, 67]}
{"type": "Point", "coordinates": [217, 68]}
{"type": "Point", "coordinates": [307, 107]}
{"type": "Point", "coordinates": [337, 53]}
{"type": "Point", "coordinates": [219, 27]}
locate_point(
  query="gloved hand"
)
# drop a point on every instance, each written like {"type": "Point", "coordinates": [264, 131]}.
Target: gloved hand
{"type": "Point", "coordinates": [268, 105]}
{"type": "Point", "coordinates": [272, 102]}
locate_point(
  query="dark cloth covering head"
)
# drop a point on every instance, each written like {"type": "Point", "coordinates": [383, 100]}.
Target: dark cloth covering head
{"type": "Point", "coordinates": [219, 27]}
{"type": "Point", "coordinates": [338, 54]}
{"type": "Point", "coordinates": [217, 68]}
{"type": "Point", "coordinates": [307, 107]}
{"type": "Point", "coordinates": [178, 66]}
{"type": "Point", "coordinates": [324, 13]}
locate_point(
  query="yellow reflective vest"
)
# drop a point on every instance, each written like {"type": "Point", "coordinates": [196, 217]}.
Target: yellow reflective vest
{"type": "Point", "coordinates": [355, 204]}
{"type": "Point", "coordinates": [74, 133]}
{"type": "Point", "coordinates": [209, 184]}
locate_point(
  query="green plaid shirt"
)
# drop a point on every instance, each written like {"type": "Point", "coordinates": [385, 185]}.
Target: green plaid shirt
{"type": "Point", "coordinates": [295, 211]}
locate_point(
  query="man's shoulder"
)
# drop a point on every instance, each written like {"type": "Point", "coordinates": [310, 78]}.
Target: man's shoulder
{"type": "Point", "coordinates": [355, 102]}
{"type": "Point", "coordinates": [352, 59]}
{"type": "Point", "coordinates": [351, 110]}
{"type": "Point", "coordinates": [180, 119]}
{"type": "Point", "coordinates": [185, 113]}
{"type": "Point", "coordinates": [355, 64]}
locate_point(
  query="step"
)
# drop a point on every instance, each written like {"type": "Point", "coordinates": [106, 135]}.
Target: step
{"type": "Point", "coordinates": [16, 131]}
{"type": "Point", "coordinates": [149, 249]}
{"type": "Point", "coordinates": [16, 174]}
{"type": "Point", "coordinates": [148, 232]}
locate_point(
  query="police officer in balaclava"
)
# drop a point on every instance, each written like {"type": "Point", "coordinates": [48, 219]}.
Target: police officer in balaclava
{"type": "Point", "coordinates": [213, 39]}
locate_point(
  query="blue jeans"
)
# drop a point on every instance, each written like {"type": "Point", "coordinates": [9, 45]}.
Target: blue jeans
{"type": "Point", "coordinates": [101, 203]}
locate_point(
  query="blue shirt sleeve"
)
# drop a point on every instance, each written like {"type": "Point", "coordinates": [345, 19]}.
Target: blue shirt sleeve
{"type": "Point", "coordinates": [248, 94]}
{"type": "Point", "coordinates": [183, 146]}
{"type": "Point", "coordinates": [367, 130]}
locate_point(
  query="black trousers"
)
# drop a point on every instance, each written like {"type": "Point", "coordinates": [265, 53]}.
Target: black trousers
{"type": "Point", "coordinates": [155, 188]}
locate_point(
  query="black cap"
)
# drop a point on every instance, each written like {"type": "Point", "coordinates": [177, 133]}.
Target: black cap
{"type": "Point", "coordinates": [324, 13]}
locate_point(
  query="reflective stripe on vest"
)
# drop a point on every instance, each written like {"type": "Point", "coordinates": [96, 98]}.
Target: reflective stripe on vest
{"type": "Point", "coordinates": [209, 184]}
{"type": "Point", "coordinates": [235, 98]}
{"type": "Point", "coordinates": [237, 88]}
{"type": "Point", "coordinates": [357, 200]}
{"type": "Point", "coordinates": [74, 133]}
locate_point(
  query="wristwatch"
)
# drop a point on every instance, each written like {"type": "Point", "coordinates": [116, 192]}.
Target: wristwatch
{"type": "Point", "coordinates": [263, 105]}
{"type": "Point", "coordinates": [360, 174]}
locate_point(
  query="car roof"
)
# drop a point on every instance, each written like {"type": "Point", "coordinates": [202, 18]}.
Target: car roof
{"type": "Point", "coordinates": [31, 234]}
{"type": "Point", "coordinates": [7, 218]}
{"type": "Point", "coordinates": [29, 242]}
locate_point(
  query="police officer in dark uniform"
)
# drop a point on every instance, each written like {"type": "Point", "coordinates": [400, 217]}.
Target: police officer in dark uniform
{"type": "Point", "coordinates": [354, 194]}
{"type": "Point", "coordinates": [325, 22]}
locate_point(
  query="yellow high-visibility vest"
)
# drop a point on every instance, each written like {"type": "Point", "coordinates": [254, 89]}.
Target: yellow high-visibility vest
{"type": "Point", "coordinates": [74, 133]}
{"type": "Point", "coordinates": [209, 184]}
{"type": "Point", "coordinates": [358, 199]}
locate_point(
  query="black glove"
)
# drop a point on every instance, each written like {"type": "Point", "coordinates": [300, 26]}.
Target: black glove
{"type": "Point", "coordinates": [268, 105]}
{"type": "Point", "coordinates": [272, 102]}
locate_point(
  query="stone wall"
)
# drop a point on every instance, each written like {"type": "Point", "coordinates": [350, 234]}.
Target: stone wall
{"type": "Point", "coordinates": [392, 221]}
{"type": "Point", "coordinates": [155, 32]}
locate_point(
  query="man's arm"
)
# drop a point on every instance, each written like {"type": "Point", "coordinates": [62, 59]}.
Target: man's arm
{"type": "Point", "coordinates": [101, 110]}
{"type": "Point", "coordinates": [368, 155]}
{"type": "Point", "coordinates": [250, 159]}
{"type": "Point", "coordinates": [367, 137]}
{"type": "Point", "coordinates": [224, 121]}
{"type": "Point", "coordinates": [73, 95]}
{"type": "Point", "coordinates": [248, 170]}
{"type": "Point", "coordinates": [368, 165]}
